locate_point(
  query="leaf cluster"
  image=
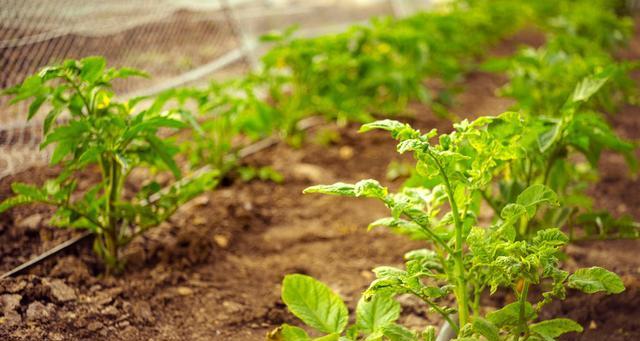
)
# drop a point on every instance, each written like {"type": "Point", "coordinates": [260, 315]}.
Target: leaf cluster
{"type": "Point", "coordinates": [465, 259]}
{"type": "Point", "coordinates": [90, 131]}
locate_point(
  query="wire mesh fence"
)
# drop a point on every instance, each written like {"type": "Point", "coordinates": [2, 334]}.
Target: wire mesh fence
{"type": "Point", "coordinates": [177, 42]}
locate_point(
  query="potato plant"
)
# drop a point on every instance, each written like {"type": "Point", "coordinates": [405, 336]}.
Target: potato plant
{"type": "Point", "coordinates": [464, 259]}
{"type": "Point", "coordinates": [552, 146]}
{"type": "Point", "coordinates": [534, 84]}
{"type": "Point", "coordinates": [567, 115]}
{"type": "Point", "coordinates": [91, 131]}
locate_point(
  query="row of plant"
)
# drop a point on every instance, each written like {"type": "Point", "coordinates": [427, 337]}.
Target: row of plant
{"type": "Point", "coordinates": [362, 70]}
{"type": "Point", "coordinates": [89, 128]}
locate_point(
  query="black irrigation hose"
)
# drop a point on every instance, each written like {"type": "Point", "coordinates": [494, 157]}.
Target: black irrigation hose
{"type": "Point", "coordinates": [242, 153]}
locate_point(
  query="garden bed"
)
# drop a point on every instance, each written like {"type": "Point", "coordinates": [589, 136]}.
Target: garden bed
{"type": "Point", "coordinates": [213, 272]}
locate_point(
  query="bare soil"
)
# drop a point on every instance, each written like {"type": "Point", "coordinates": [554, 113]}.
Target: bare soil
{"type": "Point", "coordinates": [213, 272]}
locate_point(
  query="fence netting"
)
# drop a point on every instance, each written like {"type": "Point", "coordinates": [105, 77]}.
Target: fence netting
{"type": "Point", "coordinates": [177, 42]}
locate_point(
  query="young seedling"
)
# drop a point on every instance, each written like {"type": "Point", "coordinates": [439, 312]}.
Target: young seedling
{"type": "Point", "coordinates": [97, 133]}
{"type": "Point", "coordinates": [321, 309]}
{"type": "Point", "coordinates": [464, 259]}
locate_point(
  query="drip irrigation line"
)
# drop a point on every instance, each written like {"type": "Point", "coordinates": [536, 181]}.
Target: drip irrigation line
{"type": "Point", "coordinates": [247, 151]}
{"type": "Point", "coordinates": [46, 255]}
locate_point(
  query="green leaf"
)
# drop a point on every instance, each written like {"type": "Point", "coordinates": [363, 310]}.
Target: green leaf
{"type": "Point", "coordinates": [15, 201]}
{"type": "Point", "coordinates": [293, 333]}
{"type": "Point", "coordinates": [288, 333]}
{"type": "Point", "coordinates": [160, 149]}
{"type": "Point", "coordinates": [552, 237]}
{"type": "Point", "coordinates": [370, 189]}
{"type": "Point", "coordinates": [50, 119]}
{"type": "Point", "coordinates": [486, 329]}
{"type": "Point", "coordinates": [536, 195]}
{"type": "Point", "coordinates": [376, 313]}
{"type": "Point", "coordinates": [26, 190]}
{"type": "Point", "coordinates": [596, 279]}
{"type": "Point", "coordinates": [399, 131]}
{"type": "Point", "coordinates": [329, 337]}
{"type": "Point", "coordinates": [587, 87]}
{"type": "Point", "coordinates": [127, 72]}
{"type": "Point", "coordinates": [31, 84]}
{"type": "Point", "coordinates": [547, 138]}
{"type": "Point", "coordinates": [395, 332]}
{"type": "Point", "coordinates": [429, 333]}
{"type": "Point", "coordinates": [510, 314]}
{"type": "Point", "coordinates": [35, 106]}
{"type": "Point", "coordinates": [339, 188]}
{"type": "Point", "coordinates": [314, 303]}
{"type": "Point", "coordinates": [512, 211]}
{"type": "Point", "coordinates": [92, 68]}
{"type": "Point", "coordinates": [549, 330]}
{"type": "Point", "coordinates": [389, 125]}
{"type": "Point", "coordinates": [401, 226]}
{"type": "Point", "coordinates": [63, 148]}
{"type": "Point", "coordinates": [364, 188]}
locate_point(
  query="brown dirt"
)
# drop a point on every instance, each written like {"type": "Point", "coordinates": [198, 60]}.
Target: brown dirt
{"type": "Point", "coordinates": [213, 272]}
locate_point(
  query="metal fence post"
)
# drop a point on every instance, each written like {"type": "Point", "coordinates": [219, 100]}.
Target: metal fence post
{"type": "Point", "coordinates": [247, 43]}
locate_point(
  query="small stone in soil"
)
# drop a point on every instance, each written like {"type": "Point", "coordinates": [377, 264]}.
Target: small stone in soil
{"type": "Point", "coordinates": [184, 291]}
{"type": "Point", "coordinates": [367, 275]}
{"type": "Point", "coordinates": [38, 311]}
{"type": "Point", "coordinates": [56, 337]}
{"type": "Point", "coordinates": [199, 221]}
{"type": "Point", "coordinates": [61, 292]}
{"type": "Point", "coordinates": [9, 305]}
{"type": "Point", "coordinates": [31, 222]}
{"type": "Point", "coordinates": [309, 172]}
{"type": "Point", "coordinates": [232, 307]}
{"type": "Point", "coordinates": [80, 323]}
{"type": "Point", "coordinates": [110, 311]}
{"type": "Point", "coordinates": [13, 285]}
{"type": "Point", "coordinates": [10, 302]}
{"type": "Point", "coordinates": [95, 325]}
{"type": "Point", "coordinates": [346, 152]}
{"type": "Point", "coordinates": [124, 324]}
{"type": "Point", "coordinates": [221, 240]}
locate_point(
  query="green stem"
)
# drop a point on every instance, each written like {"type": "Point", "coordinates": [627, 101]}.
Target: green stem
{"type": "Point", "coordinates": [415, 218]}
{"type": "Point", "coordinates": [522, 319]}
{"type": "Point", "coordinates": [529, 171]}
{"type": "Point", "coordinates": [476, 301]}
{"type": "Point", "coordinates": [111, 232]}
{"type": "Point", "coordinates": [446, 316]}
{"type": "Point", "coordinates": [458, 256]}
{"type": "Point", "coordinates": [439, 310]}
{"type": "Point", "coordinates": [547, 170]}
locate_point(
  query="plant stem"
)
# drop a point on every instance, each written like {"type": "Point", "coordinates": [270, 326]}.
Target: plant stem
{"type": "Point", "coordinates": [110, 234]}
{"type": "Point", "coordinates": [459, 273]}
{"type": "Point", "coordinates": [476, 301]}
{"type": "Point", "coordinates": [445, 315]}
{"type": "Point", "coordinates": [522, 319]}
